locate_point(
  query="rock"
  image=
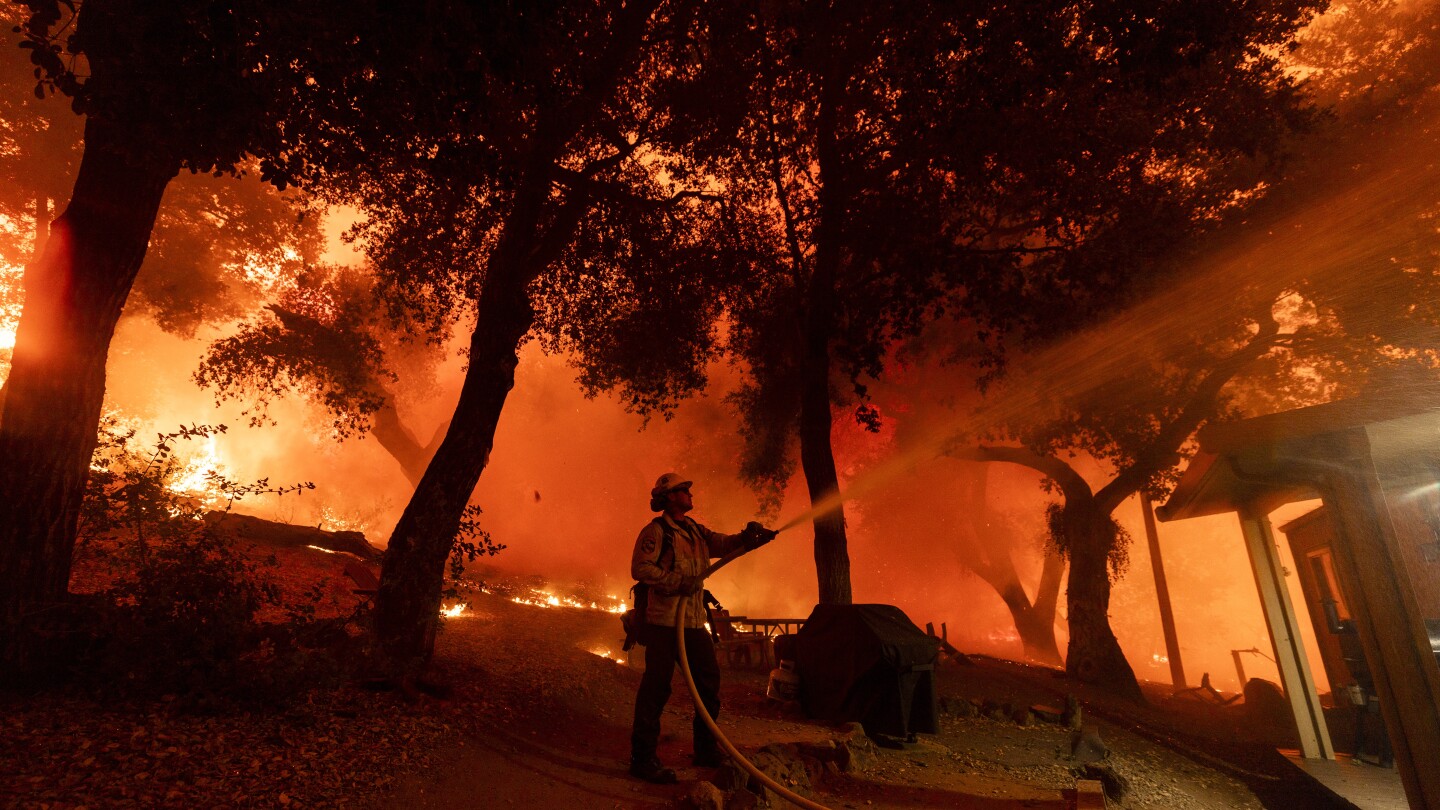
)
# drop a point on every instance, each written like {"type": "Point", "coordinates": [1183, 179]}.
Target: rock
{"type": "Point", "coordinates": [814, 768]}
{"type": "Point", "coordinates": [783, 764]}
{"type": "Point", "coordinates": [1086, 745]}
{"type": "Point", "coordinates": [1022, 716]}
{"type": "Point", "coordinates": [958, 707]}
{"type": "Point", "coordinates": [1048, 714]}
{"type": "Point", "coordinates": [730, 776]}
{"type": "Point", "coordinates": [1115, 783]}
{"type": "Point", "coordinates": [1072, 717]}
{"type": "Point", "coordinates": [704, 796]}
{"type": "Point", "coordinates": [856, 750]}
{"type": "Point", "coordinates": [741, 800]}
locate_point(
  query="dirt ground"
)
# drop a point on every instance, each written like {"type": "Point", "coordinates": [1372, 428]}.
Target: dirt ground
{"type": "Point", "coordinates": [550, 728]}
{"type": "Point", "coordinates": [533, 716]}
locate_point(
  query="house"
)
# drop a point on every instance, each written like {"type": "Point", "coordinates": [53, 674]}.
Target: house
{"type": "Point", "coordinates": [1369, 561]}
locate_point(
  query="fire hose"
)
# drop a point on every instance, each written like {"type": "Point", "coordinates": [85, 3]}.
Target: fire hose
{"type": "Point", "coordinates": [729, 747]}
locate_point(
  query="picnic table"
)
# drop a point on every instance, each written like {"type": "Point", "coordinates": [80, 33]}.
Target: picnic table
{"type": "Point", "coordinates": [746, 641]}
{"type": "Point", "coordinates": [767, 627]}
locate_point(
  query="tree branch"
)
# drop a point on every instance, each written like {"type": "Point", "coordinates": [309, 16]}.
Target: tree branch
{"type": "Point", "coordinates": [611, 192]}
{"type": "Point", "coordinates": [1164, 450]}
{"type": "Point", "coordinates": [1071, 484]}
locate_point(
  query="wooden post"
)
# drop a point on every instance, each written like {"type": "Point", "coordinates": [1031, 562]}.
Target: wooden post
{"type": "Point", "coordinates": [1284, 627]}
{"type": "Point", "coordinates": [1384, 609]}
{"type": "Point", "coordinates": [1239, 667]}
{"type": "Point", "coordinates": [1162, 593]}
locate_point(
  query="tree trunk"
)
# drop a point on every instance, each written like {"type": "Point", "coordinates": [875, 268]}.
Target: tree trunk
{"type": "Point", "coordinates": [817, 459]}
{"type": "Point", "coordinates": [74, 293]}
{"type": "Point", "coordinates": [413, 570]}
{"type": "Point", "coordinates": [1047, 597]}
{"type": "Point", "coordinates": [388, 429]}
{"type": "Point", "coordinates": [412, 574]}
{"type": "Point", "coordinates": [1035, 621]}
{"type": "Point", "coordinates": [1094, 655]}
{"type": "Point", "coordinates": [990, 559]}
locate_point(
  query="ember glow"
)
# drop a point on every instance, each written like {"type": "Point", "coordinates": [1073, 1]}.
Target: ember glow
{"type": "Point", "coordinates": [606, 654]}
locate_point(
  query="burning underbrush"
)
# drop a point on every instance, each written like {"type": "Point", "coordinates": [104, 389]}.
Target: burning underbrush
{"type": "Point", "coordinates": [538, 592]}
{"type": "Point", "coordinates": [169, 599]}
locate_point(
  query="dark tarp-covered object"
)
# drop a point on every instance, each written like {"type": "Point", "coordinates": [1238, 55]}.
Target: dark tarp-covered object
{"type": "Point", "coordinates": [868, 663]}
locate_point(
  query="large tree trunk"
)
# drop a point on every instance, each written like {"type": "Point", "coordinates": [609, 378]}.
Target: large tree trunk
{"type": "Point", "coordinates": [817, 459]}
{"type": "Point", "coordinates": [74, 293]}
{"type": "Point", "coordinates": [1094, 654]}
{"type": "Point", "coordinates": [413, 570]}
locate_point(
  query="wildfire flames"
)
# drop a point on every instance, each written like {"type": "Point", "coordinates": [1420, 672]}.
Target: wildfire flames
{"type": "Point", "coordinates": [454, 611]}
{"type": "Point", "coordinates": [546, 599]}
{"type": "Point", "coordinates": [607, 655]}
{"type": "Point", "coordinates": [196, 477]}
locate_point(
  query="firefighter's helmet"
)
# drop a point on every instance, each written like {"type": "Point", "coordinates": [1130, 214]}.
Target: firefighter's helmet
{"type": "Point", "coordinates": [669, 482]}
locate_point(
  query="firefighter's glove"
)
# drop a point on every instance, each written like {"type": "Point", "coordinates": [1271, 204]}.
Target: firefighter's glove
{"type": "Point", "coordinates": [754, 536]}
{"type": "Point", "coordinates": [690, 585]}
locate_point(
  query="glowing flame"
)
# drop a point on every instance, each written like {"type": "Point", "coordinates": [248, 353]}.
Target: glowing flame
{"type": "Point", "coordinates": [193, 478]}
{"type": "Point", "coordinates": [454, 611]}
{"type": "Point", "coordinates": [607, 655]}
{"type": "Point", "coordinates": [546, 599]}
{"type": "Point", "coordinates": [333, 521]}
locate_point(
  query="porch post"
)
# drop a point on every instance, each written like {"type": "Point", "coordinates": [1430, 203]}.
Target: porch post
{"type": "Point", "coordinates": [1284, 629]}
{"type": "Point", "coordinates": [1384, 608]}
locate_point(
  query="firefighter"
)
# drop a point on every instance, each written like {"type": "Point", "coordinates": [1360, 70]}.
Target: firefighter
{"type": "Point", "coordinates": [671, 555]}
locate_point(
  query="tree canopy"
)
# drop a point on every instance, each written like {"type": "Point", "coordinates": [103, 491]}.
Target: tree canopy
{"type": "Point", "coordinates": [908, 160]}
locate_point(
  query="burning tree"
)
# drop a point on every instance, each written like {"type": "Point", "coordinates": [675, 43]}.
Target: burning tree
{"type": "Point", "coordinates": [920, 158]}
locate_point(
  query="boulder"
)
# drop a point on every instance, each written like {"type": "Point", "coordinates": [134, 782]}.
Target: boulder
{"type": "Point", "coordinates": [782, 763]}
{"type": "Point", "coordinates": [704, 796]}
{"type": "Point", "coordinates": [856, 750]}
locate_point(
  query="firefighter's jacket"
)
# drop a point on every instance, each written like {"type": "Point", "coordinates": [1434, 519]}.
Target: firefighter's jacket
{"type": "Point", "coordinates": [694, 545]}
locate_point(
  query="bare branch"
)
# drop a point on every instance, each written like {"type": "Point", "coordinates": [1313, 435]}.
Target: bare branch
{"type": "Point", "coordinates": [1071, 483]}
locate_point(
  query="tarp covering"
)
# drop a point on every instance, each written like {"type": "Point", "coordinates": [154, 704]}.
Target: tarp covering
{"type": "Point", "coordinates": [867, 663]}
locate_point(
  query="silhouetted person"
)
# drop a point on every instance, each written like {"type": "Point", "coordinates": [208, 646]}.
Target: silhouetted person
{"type": "Point", "coordinates": [670, 558]}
